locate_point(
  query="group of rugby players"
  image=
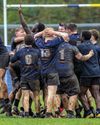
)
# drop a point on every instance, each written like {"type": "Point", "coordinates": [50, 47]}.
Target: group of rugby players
{"type": "Point", "coordinates": [60, 66]}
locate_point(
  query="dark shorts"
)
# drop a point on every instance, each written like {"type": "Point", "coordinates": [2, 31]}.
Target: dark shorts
{"type": "Point", "coordinates": [4, 60]}
{"type": "Point", "coordinates": [88, 81]}
{"type": "Point", "coordinates": [69, 86]}
{"type": "Point", "coordinates": [31, 85]}
{"type": "Point", "coordinates": [51, 79]}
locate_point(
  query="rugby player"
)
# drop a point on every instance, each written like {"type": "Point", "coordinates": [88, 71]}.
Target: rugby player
{"type": "Point", "coordinates": [29, 67]}
{"type": "Point", "coordinates": [48, 45]}
{"type": "Point", "coordinates": [69, 85]}
{"type": "Point", "coordinates": [4, 57]}
{"type": "Point", "coordinates": [90, 75]}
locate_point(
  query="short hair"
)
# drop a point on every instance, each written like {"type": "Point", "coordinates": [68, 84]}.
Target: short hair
{"type": "Point", "coordinates": [38, 27]}
{"type": "Point", "coordinates": [71, 26]}
{"type": "Point", "coordinates": [86, 35]}
{"type": "Point", "coordinates": [62, 24]}
{"type": "Point", "coordinates": [95, 33]}
{"type": "Point", "coordinates": [19, 28]}
{"type": "Point", "coordinates": [45, 32]}
{"type": "Point", "coordinates": [29, 40]}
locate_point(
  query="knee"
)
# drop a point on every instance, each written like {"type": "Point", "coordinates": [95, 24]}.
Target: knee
{"type": "Point", "coordinates": [64, 98]}
{"type": "Point", "coordinates": [36, 94]}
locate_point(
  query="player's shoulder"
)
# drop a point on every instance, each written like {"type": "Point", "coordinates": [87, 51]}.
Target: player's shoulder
{"type": "Point", "coordinates": [67, 45]}
{"type": "Point", "coordinates": [81, 45]}
{"type": "Point", "coordinates": [20, 51]}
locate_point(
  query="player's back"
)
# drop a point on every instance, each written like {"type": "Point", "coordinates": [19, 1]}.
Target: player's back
{"type": "Point", "coordinates": [90, 67]}
{"type": "Point", "coordinates": [47, 52]}
{"type": "Point", "coordinates": [74, 39]}
{"type": "Point", "coordinates": [29, 58]}
{"type": "Point", "coordinates": [64, 59]}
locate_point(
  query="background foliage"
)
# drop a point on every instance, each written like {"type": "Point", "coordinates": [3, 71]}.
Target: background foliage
{"type": "Point", "coordinates": [51, 15]}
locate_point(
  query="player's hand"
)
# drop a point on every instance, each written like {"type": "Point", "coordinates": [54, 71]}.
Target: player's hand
{"type": "Point", "coordinates": [11, 53]}
{"type": "Point", "coordinates": [91, 53]}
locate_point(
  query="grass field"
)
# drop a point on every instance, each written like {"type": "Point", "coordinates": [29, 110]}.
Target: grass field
{"type": "Point", "coordinates": [35, 121]}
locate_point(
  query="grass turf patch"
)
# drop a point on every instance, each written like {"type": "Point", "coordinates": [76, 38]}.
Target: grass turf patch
{"type": "Point", "coordinates": [35, 121]}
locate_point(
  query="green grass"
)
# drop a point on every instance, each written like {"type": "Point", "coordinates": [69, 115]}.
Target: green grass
{"type": "Point", "coordinates": [34, 121]}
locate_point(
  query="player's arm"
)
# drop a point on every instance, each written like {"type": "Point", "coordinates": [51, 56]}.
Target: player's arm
{"type": "Point", "coordinates": [98, 49]}
{"type": "Point", "coordinates": [60, 34]}
{"type": "Point", "coordinates": [18, 39]}
{"type": "Point", "coordinates": [15, 57]}
{"type": "Point", "coordinates": [81, 57]}
{"type": "Point", "coordinates": [38, 35]}
{"type": "Point", "coordinates": [23, 22]}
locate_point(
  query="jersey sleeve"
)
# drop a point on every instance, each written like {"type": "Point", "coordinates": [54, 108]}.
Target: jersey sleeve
{"type": "Point", "coordinates": [98, 49]}
{"type": "Point", "coordinates": [75, 50]}
{"type": "Point", "coordinates": [15, 57]}
{"type": "Point", "coordinates": [56, 41]}
{"type": "Point", "coordinates": [13, 44]}
{"type": "Point", "coordinates": [38, 42]}
{"type": "Point", "coordinates": [80, 48]}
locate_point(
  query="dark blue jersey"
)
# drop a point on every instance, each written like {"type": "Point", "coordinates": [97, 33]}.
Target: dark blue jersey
{"type": "Point", "coordinates": [13, 44]}
{"type": "Point", "coordinates": [64, 59]}
{"type": "Point", "coordinates": [90, 68]}
{"type": "Point", "coordinates": [48, 51]}
{"type": "Point", "coordinates": [17, 45]}
{"type": "Point", "coordinates": [29, 66]}
{"type": "Point", "coordinates": [74, 39]}
{"type": "Point", "coordinates": [97, 47]}
{"type": "Point", "coordinates": [3, 49]}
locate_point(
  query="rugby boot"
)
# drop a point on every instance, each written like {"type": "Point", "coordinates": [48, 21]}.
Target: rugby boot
{"type": "Point", "coordinates": [88, 114]}
{"type": "Point", "coordinates": [97, 113]}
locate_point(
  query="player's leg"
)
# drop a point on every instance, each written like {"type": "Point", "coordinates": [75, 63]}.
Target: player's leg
{"type": "Point", "coordinates": [52, 82]}
{"type": "Point", "coordinates": [51, 93]}
{"type": "Point", "coordinates": [15, 77]}
{"type": "Point", "coordinates": [72, 90]}
{"type": "Point", "coordinates": [90, 100]}
{"type": "Point", "coordinates": [78, 109]}
{"type": "Point", "coordinates": [35, 87]}
{"type": "Point", "coordinates": [25, 95]}
{"type": "Point", "coordinates": [25, 98]}
{"type": "Point", "coordinates": [71, 106]}
{"type": "Point", "coordinates": [96, 94]}
{"type": "Point", "coordinates": [5, 100]}
{"type": "Point", "coordinates": [30, 103]}
{"type": "Point", "coordinates": [16, 102]}
{"type": "Point", "coordinates": [87, 112]}
{"type": "Point", "coordinates": [43, 88]}
{"type": "Point", "coordinates": [65, 101]}
{"type": "Point", "coordinates": [56, 105]}
{"type": "Point", "coordinates": [61, 90]}
{"type": "Point", "coordinates": [85, 84]}
{"type": "Point", "coordinates": [37, 103]}
{"type": "Point", "coordinates": [4, 62]}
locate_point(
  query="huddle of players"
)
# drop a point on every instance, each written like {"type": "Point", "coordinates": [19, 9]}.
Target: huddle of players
{"type": "Point", "coordinates": [45, 59]}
